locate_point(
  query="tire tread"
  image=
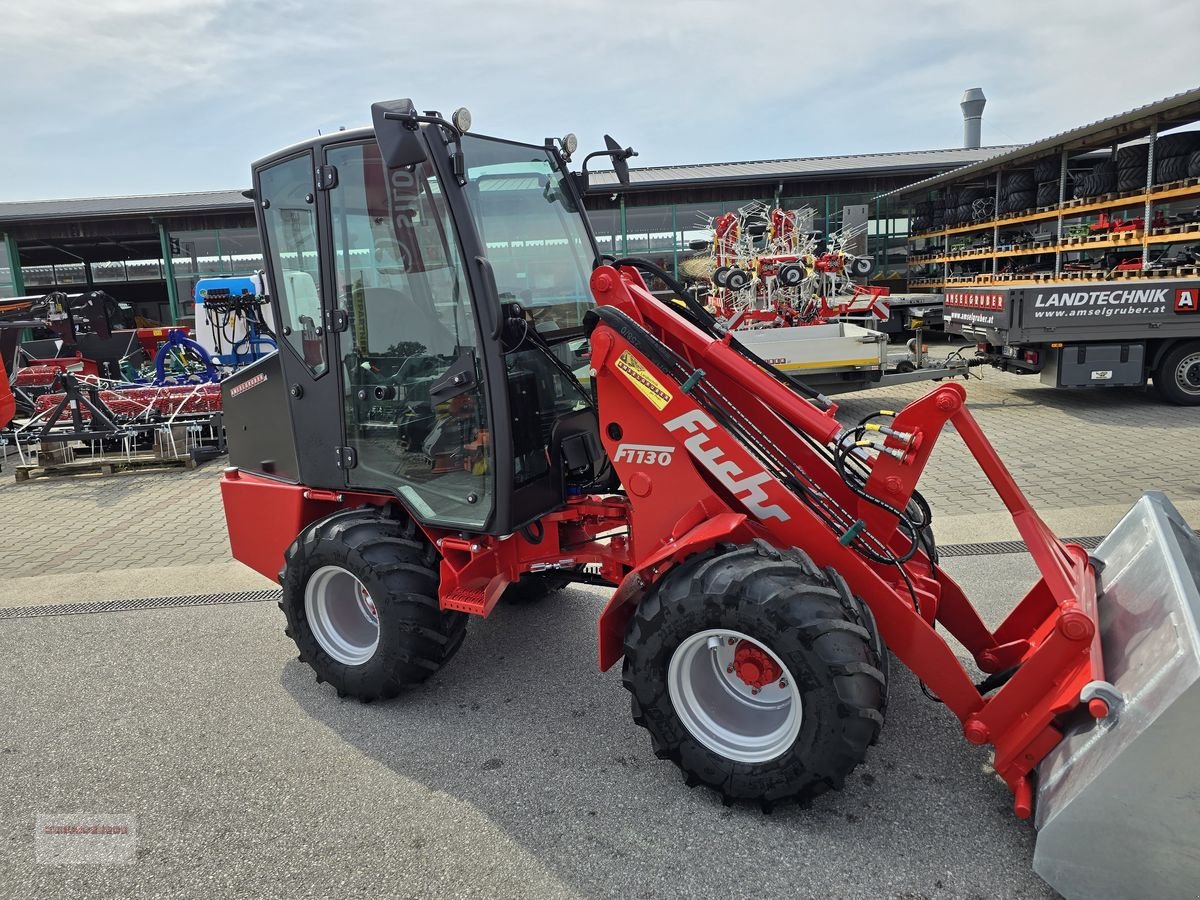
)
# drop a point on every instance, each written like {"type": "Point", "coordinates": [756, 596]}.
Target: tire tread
{"type": "Point", "coordinates": [759, 580]}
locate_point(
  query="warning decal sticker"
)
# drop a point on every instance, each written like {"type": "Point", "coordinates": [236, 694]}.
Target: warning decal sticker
{"type": "Point", "coordinates": [631, 367]}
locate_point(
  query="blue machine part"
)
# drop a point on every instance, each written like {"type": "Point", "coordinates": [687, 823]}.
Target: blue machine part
{"type": "Point", "coordinates": [180, 348]}
{"type": "Point", "coordinates": [229, 286]}
{"type": "Point", "coordinates": [232, 340]}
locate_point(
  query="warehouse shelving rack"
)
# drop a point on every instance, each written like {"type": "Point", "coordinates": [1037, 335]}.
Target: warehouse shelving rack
{"type": "Point", "coordinates": [1057, 227]}
{"type": "Point", "coordinates": [1060, 214]}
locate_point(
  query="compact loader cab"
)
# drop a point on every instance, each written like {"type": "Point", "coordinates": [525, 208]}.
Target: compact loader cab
{"type": "Point", "coordinates": [431, 286]}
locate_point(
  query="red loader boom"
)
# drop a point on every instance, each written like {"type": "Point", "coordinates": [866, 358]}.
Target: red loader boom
{"type": "Point", "coordinates": [764, 558]}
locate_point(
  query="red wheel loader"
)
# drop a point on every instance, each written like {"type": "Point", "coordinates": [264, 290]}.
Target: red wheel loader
{"type": "Point", "coordinates": [472, 405]}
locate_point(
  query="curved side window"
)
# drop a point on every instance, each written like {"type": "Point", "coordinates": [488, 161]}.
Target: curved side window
{"type": "Point", "coordinates": [290, 215]}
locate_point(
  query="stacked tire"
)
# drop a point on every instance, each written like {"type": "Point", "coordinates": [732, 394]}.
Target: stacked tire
{"type": "Point", "coordinates": [1046, 169]}
{"type": "Point", "coordinates": [953, 216]}
{"type": "Point", "coordinates": [1173, 156]}
{"type": "Point", "coordinates": [1045, 176]}
{"type": "Point", "coordinates": [1131, 167]}
{"type": "Point", "coordinates": [1047, 193]}
{"type": "Point", "coordinates": [922, 219]}
{"type": "Point", "coordinates": [1100, 180]}
{"type": "Point", "coordinates": [938, 215]}
{"type": "Point", "coordinates": [967, 198]}
{"type": "Point", "coordinates": [1018, 193]}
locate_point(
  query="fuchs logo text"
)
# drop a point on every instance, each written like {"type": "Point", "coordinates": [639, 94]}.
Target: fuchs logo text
{"type": "Point", "coordinates": [747, 487]}
{"type": "Point", "coordinates": [644, 454]}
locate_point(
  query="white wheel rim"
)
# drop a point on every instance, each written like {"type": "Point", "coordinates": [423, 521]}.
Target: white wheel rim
{"type": "Point", "coordinates": [1187, 374]}
{"type": "Point", "coordinates": [342, 615]}
{"type": "Point", "coordinates": [739, 720]}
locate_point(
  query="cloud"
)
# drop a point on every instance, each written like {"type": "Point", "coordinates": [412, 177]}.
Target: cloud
{"type": "Point", "coordinates": [135, 96]}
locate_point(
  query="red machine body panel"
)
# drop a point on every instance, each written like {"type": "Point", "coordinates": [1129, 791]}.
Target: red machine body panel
{"type": "Point", "coordinates": [8, 403]}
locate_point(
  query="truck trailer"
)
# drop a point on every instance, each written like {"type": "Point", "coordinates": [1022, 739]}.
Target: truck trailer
{"type": "Point", "coordinates": [1089, 334]}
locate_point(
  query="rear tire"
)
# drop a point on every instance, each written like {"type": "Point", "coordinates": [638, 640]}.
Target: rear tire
{"type": "Point", "coordinates": [825, 662]}
{"type": "Point", "coordinates": [1177, 377]}
{"type": "Point", "coordinates": [360, 593]}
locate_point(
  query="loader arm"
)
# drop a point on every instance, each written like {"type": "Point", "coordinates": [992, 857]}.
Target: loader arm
{"type": "Point", "coordinates": [763, 451]}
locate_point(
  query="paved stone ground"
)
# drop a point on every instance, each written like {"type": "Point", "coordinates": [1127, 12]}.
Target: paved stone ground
{"type": "Point", "coordinates": [1066, 449]}
{"type": "Point", "coordinates": [95, 523]}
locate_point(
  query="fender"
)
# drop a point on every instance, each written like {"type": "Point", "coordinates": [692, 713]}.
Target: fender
{"type": "Point", "coordinates": [728, 526]}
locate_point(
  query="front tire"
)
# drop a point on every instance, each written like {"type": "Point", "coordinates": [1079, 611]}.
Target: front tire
{"type": "Point", "coordinates": [360, 593]}
{"type": "Point", "coordinates": [1177, 377]}
{"type": "Point", "coordinates": [755, 675]}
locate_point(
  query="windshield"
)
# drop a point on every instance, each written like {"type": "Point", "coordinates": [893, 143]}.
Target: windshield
{"type": "Point", "coordinates": [536, 237]}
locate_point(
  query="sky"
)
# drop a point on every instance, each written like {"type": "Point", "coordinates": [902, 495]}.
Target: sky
{"type": "Point", "coordinates": [109, 97]}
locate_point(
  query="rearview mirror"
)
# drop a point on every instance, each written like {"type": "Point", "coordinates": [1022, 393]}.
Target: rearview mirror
{"type": "Point", "coordinates": [620, 158]}
{"type": "Point", "coordinates": [399, 141]}
{"type": "Point", "coordinates": [614, 151]}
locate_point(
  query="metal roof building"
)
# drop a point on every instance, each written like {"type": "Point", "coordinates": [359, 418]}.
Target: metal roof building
{"type": "Point", "coordinates": [911, 162]}
{"type": "Point", "coordinates": [1116, 169]}
{"type": "Point", "coordinates": [196, 202]}
{"type": "Point", "coordinates": [150, 250]}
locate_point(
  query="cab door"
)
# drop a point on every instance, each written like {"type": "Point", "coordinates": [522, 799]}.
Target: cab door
{"type": "Point", "coordinates": [407, 352]}
{"type": "Point", "coordinates": [290, 211]}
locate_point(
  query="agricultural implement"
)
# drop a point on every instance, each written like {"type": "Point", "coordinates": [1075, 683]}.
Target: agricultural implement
{"type": "Point", "coordinates": [790, 295]}
{"type": "Point", "coordinates": [8, 403]}
{"type": "Point", "coordinates": [425, 453]}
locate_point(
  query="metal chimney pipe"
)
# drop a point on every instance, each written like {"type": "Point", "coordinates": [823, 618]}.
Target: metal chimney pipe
{"type": "Point", "coordinates": [972, 104]}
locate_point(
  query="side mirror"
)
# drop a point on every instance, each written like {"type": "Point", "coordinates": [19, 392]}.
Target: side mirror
{"type": "Point", "coordinates": [396, 133]}
{"type": "Point", "coordinates": [620, 158]}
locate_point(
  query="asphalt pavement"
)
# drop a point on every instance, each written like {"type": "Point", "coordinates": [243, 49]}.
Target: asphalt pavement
{"type": "Point", "coordinates": [515, 772]}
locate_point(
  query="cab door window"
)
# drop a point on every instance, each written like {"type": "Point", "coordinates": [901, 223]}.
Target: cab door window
{"type": "Point", "coordinates": [416, 411]}
{"type": "Point", "coordinates": [288, 200]}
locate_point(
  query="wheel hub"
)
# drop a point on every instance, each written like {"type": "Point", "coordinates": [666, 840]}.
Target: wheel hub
{"type": "Point", "coordinates": [1188, 373]}
{"type": "Point", "coordinates": [752, 664]}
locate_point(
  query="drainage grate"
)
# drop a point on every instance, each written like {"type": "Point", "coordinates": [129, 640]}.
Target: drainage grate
{"type": "Point", "coordinates": [948, 551]}
{"type": "Point", "coordinates": [104, 606]}
{"type": "Point", "coordinates": [999, 547]}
